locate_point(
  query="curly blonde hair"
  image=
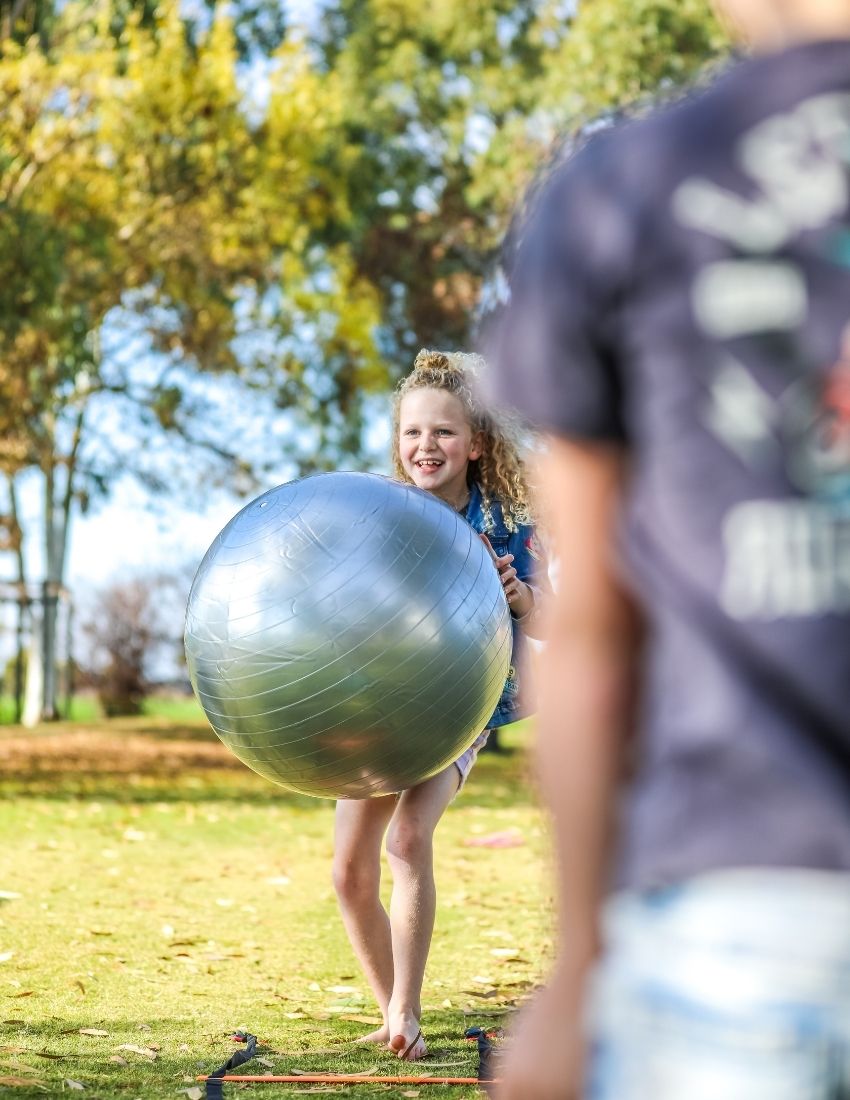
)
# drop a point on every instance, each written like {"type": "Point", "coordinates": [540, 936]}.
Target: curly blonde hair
{"type": "Point", "coordinates": [500, 471]}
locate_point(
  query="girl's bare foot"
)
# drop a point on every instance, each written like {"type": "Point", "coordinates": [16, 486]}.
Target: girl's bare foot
{"type": "Point", "coordinates": [382, 1035]}
{"type": "Point", "coordinates": [407, 1041]}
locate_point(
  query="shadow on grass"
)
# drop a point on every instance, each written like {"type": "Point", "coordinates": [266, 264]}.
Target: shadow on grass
{"type": "Point", "coordinates": [158, 760]}
{"type": "Point", "coordinates": [121, 1061]}
{"type": "Point", "coordinates": [157, 727]}
{"type": "Point", "coordinates": [216, 787]}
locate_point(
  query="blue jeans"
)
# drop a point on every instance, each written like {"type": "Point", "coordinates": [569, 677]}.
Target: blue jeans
{"type": "Point", "coordinates": [732, 986]}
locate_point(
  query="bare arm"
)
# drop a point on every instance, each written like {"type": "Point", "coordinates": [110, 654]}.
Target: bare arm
{"type": "Point", "coordinates": [586, 703]}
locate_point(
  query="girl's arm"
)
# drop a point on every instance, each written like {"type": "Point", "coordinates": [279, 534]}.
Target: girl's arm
{"type": "Point", "coordinates": [524, 586]}
{"type": "Point", "coordinates": [587, 671]}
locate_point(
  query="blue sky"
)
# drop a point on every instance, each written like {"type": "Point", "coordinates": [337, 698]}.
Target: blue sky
{"type": "Point", "coordinates": [134, 531]}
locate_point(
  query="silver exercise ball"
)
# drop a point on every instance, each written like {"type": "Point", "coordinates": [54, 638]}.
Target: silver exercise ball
{"type": "Point", "coordinates": [347, 636]}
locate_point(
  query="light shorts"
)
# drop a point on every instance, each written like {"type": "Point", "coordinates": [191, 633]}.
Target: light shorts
{"type": "Point", "coordinates": [464, 763]}
{"type": "Point", "coordinates": [734, 985]}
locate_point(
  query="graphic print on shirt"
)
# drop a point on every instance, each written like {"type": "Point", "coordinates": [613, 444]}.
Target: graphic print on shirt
{"type": "Point", "coordinates": [784, 557]}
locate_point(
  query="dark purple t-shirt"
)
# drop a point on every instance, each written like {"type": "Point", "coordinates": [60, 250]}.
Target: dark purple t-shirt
{"type": "Point", "coordinates": [683, 288]}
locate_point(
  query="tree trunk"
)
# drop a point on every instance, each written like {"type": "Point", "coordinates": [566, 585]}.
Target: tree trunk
{"type": "Point", "coordinates": [23, 605]}
{"type": "Point", "coordinates": [34, 690]}
{"type": "Point", "coordinates": [49, 617]}
{"type": "Point", "coordinates": [57, 519]}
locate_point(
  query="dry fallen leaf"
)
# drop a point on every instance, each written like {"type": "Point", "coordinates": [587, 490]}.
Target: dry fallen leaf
{"type": "Point", "coordinates": [20, 1082]}
{"type": "Point", "coordinates": [73, 1084]}
{"type": "Point", "coordinates": [118, 1060]}
{"type": "Point", "coordinates": [362, 1019]}
{"type": "Point", "coordinates": [96, 1031]}
{"type": "Point", "coordinates": [324, 1050]}
{"type": "Point", "coordinates": [146, 1052]}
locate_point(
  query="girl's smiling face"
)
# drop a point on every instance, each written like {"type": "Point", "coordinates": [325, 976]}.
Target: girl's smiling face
{"type": "Point", "coordinates": [436, 443]}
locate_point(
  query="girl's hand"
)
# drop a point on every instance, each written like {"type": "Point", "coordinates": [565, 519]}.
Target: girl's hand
{"type": "Point", "coordinates": [513, 586]}
{"type": "Point", "coordinates": [519, 596]}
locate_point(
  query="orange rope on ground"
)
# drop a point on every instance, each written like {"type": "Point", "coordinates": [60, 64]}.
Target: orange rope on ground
{"type": "Point", "coordinates": [347, 1079]}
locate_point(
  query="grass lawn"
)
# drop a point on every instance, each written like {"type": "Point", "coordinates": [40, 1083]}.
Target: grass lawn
{"type": "Point", "coordinates": [85, 708]}
{"type": "Point", "coordinates": [155, 895]}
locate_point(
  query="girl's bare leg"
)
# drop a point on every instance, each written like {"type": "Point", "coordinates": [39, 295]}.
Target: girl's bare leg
{"type": "Point", "coordinates": [411, 856]}
{"type": "Point", "coordinates": [358, 835]}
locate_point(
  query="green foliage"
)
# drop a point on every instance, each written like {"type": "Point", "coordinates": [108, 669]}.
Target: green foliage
{"type": "Point", "coordinates": [355, 218]}
{"type": "Point", "coordinates": [259, 25]}
{"type": "Point", "coordinates": [300, 248]}
{"type": "Point", "coordinates": [422, 89]}
{"type": "Point", "coordinates": [620, 51]}
{"type": "Point", "coordinates": [448, 108]}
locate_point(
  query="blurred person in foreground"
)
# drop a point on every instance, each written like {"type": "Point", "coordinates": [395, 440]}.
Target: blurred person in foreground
{"type": "Point", "coordinates": [679, 327]}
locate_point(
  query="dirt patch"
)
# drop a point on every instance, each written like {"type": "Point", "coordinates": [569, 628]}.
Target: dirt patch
{"type": "Point", "coordinates": [96, 752]}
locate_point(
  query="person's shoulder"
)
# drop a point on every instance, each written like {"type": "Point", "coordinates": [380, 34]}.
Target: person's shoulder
{"type": "Point", "coordinates": [620, 153]}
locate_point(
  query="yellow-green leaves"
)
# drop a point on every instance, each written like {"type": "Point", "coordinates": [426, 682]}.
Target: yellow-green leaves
{"type": "Point", "coordinates": [618, 51]}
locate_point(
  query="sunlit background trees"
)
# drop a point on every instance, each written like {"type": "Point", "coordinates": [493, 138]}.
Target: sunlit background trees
{"type": "Point", "coordinates": [225, 229]}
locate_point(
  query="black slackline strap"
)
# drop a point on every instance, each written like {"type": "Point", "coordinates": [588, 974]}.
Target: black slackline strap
{"type": "Point", "coordinates": [486, 1068]}
{"type": "Point", "coordinates": [239, 1058]}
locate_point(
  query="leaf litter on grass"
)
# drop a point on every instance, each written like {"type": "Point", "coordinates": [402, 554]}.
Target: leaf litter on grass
{"type": "Point", "coordinates": [299, 935]}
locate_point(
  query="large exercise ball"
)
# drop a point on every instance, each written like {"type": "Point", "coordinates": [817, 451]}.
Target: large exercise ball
{"type": "Point", "coordinates": [347, 636]}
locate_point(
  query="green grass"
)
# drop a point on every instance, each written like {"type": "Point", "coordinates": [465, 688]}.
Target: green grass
{"type": "Point", "coordinates": [176, 708]}
{"type": "Point", "coordinates": [166, 901]}
{"type": "Point", "coordinates": [85, 708]}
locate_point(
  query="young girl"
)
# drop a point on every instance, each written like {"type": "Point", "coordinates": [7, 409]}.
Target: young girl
{"type": "Point", "coordinates": [446, 443]}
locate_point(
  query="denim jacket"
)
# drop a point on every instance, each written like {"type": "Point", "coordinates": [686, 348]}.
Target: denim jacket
{"type": "Point", "coordinates": [530, 564]}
